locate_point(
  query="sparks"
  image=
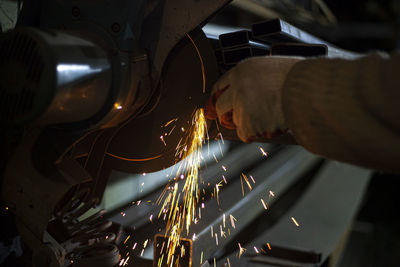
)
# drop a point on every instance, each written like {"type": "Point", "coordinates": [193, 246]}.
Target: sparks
{"type": "Point", "coordinates": [241, 250]}
{"type": "Point", "coordinates": [215, 158]}
{"type": "Point", "coordinates": [127, 239]}
{"type": "Point", "coordinates": [182, 205]}
{"type": "Point", "coordinates": [295, 222]}
{"type": "Point", "coordinates": [256, 250]}
{"type": "Point", "coordinates": [126, 261]}
{"type": "Point", "coordinates": [271, 194]}
{"type": "Point", "coordinates": [244, 176]}
{"type": "Point", "coordinates": [221, 137]}
{"type": "Point", "coordinates": [264, 204]}
{"type": "Point", "coordinates": [162, 140]}
{"type": "Point", "coordinates": [265, 154]}
{"type": "Point", "coordinates": [223, 177]}
{"type": "Point", "coordinates": [217, 186]}
{"type": "Point", "coordinates": [269, 246]}
{"type": "Point", "coordinates": [241, 183]}
{"type": "Point", "coordinates": [171, 121]}
{"type": "Point", "coordinates": [173, 128]}
{"type": "Point", "coordinates": [223, 219]}
{"type": "Point", "coordinates": [222, 233]}
{"type": "Point", "coordinates": [232, 220]}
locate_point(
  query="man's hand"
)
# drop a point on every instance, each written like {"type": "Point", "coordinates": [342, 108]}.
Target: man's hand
{"type": "Point", "coordinates": [248, 98]}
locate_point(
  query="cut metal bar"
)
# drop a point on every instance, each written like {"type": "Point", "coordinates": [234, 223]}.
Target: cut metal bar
{"type": "Point", "coordinates": [233, 39]}
{"type": "Point", "coordinates": [239, 38]}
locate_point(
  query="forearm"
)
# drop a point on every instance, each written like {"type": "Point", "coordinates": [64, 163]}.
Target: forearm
{"type": "Point", "coordinates": [347, 110]}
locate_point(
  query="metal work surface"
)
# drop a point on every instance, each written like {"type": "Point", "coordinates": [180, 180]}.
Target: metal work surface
{"type": "Point", "coordinates": [277, 173]}
{"type": "Point", "coordinates": [322, 197]}
{"type": "Point", "coordinates": [324, 213]}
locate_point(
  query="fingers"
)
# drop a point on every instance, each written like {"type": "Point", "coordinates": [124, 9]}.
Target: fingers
{"type": "Point", "coordinates": [226, 120]}
{"type": "Point", "coordinates": [218, 89]}
{"type": "Point", "coordinates": [210, 109]}
{"type": "Point", "coordinates": [220, 105]}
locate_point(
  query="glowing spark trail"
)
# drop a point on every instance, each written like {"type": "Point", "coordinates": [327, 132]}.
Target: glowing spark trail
{"type": "Point", "coordinates": [295, 222]}
{"type": "Point", "coordinates": [264, 204]}
{"type": "Point", "coordinates": [241, 250]}
{"type": "Point", "coordinates": [182, 215]}
{"type": "Point", "coordinates": [247, 182]}
{"type": "Point", "coordinates": [265, 154]}
{"type": "Point", "coordinates": [232, 220]}
{"type": "Point", "coordinates": [127, 239]}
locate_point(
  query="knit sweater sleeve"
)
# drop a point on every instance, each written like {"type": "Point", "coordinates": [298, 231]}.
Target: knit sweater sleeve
{"type": "Point", "coordinates": [347, 110]}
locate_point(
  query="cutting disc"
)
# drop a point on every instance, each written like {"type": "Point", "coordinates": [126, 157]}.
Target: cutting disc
{"type": "Point", "coordinates": [148, 143]}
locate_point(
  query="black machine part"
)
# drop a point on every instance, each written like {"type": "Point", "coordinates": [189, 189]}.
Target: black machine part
{"type": "Point", "coordinates": [62, 154]}
{"type": "Point", "coordinates": [52, 77]}
{"type": "Point", "coordinates": [88, 65]}
{"type": "Point", "coordinates": [149, 143]}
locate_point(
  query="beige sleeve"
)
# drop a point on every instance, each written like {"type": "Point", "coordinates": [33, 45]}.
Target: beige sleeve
{"type": "Point", "coordinates": [347, 110]}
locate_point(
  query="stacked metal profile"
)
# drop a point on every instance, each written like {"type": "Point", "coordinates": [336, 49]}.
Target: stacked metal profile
{"type": "Point", "coordinates": [273, 37]}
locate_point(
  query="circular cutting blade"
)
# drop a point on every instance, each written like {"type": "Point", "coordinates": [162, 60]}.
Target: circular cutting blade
{"type": "Point", "coordinates": [148, 143]}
